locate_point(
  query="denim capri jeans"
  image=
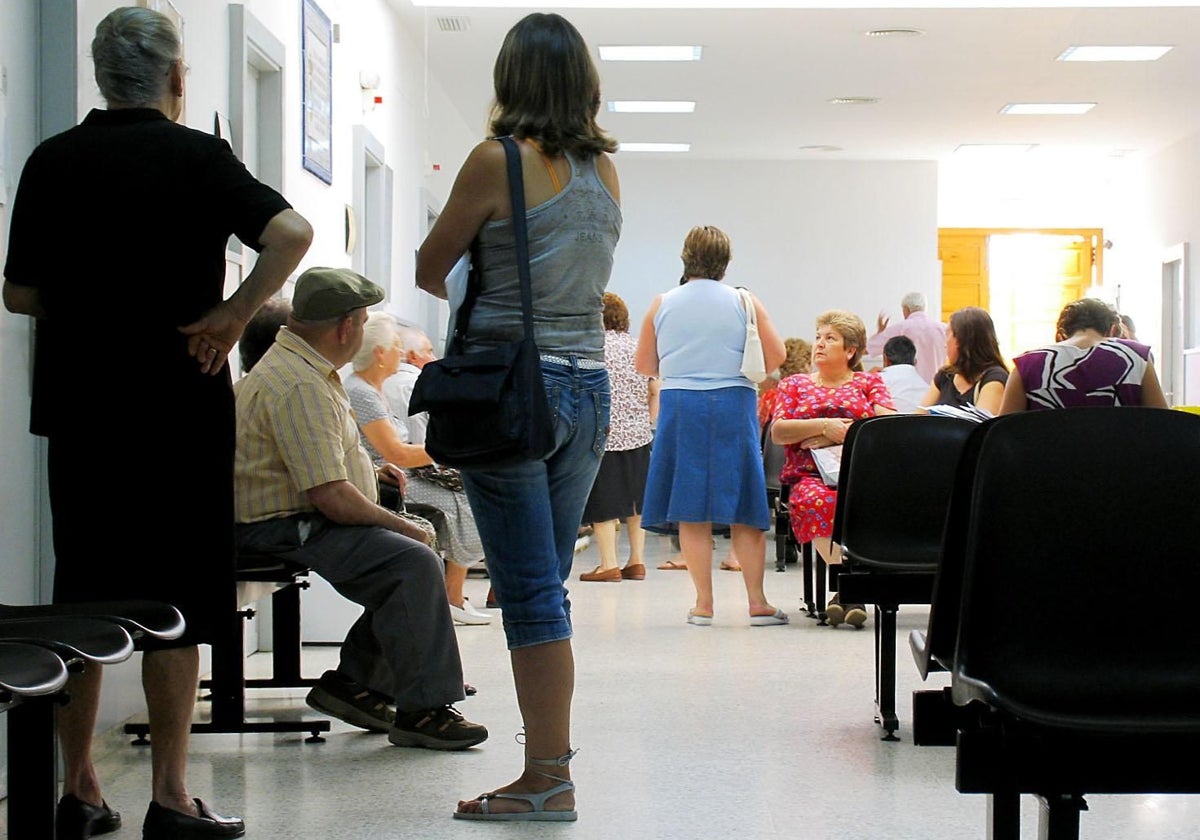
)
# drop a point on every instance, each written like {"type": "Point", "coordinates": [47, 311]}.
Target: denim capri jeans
{"type": "Point", "coordinates": [528, 514]}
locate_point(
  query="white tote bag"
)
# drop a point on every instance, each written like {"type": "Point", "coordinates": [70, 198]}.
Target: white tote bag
{"type": "Point", "coordinates": [754, 367]}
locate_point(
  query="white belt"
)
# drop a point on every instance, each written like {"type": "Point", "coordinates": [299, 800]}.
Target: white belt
{"type": "Point", "coordinates": [582, 364]}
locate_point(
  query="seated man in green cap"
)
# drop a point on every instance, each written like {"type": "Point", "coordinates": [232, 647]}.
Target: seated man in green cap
{"type": "Point", "coordinates": [305, 489]}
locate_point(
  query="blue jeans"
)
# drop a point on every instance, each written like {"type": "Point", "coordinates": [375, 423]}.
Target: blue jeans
{"type": "Point", "coordinates": [528, 514]}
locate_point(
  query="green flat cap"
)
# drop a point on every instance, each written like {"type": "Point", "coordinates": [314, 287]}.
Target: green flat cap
{"type": "Point", "coordinates": [324, 293]}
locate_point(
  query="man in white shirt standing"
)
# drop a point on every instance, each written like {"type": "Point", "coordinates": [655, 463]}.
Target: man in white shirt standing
{"type": "Point", "coordinates": [906, 386]}
{"type": "Point", "coordinates": [927, 335]}
{"type": "Point", "coordinates": [398, 388]}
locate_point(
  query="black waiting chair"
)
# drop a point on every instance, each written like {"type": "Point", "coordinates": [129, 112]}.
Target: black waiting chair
{"type": "Point", "coordinates": [31, 681]}
{"type": "Point", "coordinates": [894, 489]}
{"type": "Point", "coordinates": [140, 618]}
{"type": "Point", "coordinates": [257, 575]}
{"type": "Point", "coordinates": [1068, 511]}
{"type": "Point", "coordinates": [76, 642]}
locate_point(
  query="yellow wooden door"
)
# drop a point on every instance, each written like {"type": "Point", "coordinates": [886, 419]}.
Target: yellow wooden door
{"type": "Point", "coordinates": [1034, 311]}
{"type": "Point", "coordinates": [964, 270]}
{"type": "Point", "coordinates": [1022, 277]}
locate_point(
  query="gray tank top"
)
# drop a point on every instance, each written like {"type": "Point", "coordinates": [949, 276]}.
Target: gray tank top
{"type": "Point", "coordinates": [571, 242]}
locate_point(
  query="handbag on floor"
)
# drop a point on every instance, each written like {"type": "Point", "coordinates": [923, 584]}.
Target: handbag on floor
{"type": "Point", "coordinates": [754, 367]}
{"type": "Point", "coordinates": [489, 408]}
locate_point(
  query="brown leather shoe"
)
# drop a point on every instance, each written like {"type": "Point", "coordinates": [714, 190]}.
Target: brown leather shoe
{"type": "Point", "coordinates": [635, 572]}
{"type": "Point", "coordinates": [612, 575]}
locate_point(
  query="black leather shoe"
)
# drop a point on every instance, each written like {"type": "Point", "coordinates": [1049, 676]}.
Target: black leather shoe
{"type": "Point", "coordinates": [167, 824]}
{"type": "Point", "coordinates": [79, 820]}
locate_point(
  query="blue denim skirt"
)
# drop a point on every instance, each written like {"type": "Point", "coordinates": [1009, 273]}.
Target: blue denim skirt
{"type": "Point", "coordinates": [706, 465]}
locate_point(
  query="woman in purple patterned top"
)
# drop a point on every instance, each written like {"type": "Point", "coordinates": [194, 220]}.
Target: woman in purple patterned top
{"type": "Point", "coordinates": [1087, 367]}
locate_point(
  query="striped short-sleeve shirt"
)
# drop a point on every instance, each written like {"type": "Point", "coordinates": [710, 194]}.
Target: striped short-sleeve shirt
{"type": "Point", "coordinates": [295, 431]}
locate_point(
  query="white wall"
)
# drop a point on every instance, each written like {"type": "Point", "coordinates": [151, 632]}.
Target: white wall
{"type": "Point", "coordinates": [806, 236]}
{"type": "Point", "coordinates": [1173, 216]}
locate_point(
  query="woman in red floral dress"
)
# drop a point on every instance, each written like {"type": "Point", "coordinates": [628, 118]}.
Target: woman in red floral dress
{"type": "Point", "coordinates": [814, 410]}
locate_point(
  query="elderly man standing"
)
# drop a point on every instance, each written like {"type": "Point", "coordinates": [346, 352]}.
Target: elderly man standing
{"type": "Point", "coordinates": [928, 335]}
{"type": "Point", "coordinates": [305, 489]}
{"type": "Point", "coordinates": [130, 172]}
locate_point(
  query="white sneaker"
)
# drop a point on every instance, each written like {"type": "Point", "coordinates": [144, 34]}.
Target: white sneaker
{"type": "Point", "coordinates": [467, 614]}
{"type": "Point", "coordinates": [582, 542]}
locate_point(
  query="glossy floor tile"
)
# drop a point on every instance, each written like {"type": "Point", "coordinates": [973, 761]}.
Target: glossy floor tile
{"type": "Point", "coordinates": [684, 732]}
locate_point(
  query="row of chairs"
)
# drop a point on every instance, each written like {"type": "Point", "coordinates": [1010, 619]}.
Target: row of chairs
{"type": "Point", "coordinates": [39, 647]}
{"type": "Point", "coordinates": [1022, 533]}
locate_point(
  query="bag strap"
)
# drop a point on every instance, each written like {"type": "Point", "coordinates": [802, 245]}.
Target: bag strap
{"type": "Point", "coordinates": [516, 187]}
{"type": "Point", "coordinates": [748, 304]}
{"type": "Point", "coordinates": [516, 192]}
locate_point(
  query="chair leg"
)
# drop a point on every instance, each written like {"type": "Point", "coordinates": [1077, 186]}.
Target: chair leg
{"type": "Point", "coordinates": [1058, 816]}
{"type": "Point", "coordinates": [33, 767]}
{"type": "Point", "coordinates": [1004, 816]}
{"type": "Point", "coordinates": [285, 634]}
{"type": "Point", "coordinates": [885, 670]}
{"type": "Point", "coordinates": [781, 539]}
{"type": "Point", "coordinates": [810, 603]}
{"type": "Point", "coordinates": [821, 576]}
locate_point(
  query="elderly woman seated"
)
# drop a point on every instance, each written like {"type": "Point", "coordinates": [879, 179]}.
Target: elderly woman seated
{"type": "Point", "coordinates": [384, 437]}
{"type": "Point", "coordinates": [813, 411]}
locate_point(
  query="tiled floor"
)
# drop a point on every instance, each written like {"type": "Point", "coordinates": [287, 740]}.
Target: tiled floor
{"type": "Point", "coordinates": [684, 732]}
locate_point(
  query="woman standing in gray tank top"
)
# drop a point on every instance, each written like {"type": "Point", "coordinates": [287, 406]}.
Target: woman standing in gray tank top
{"type": "Point", "coordinates": [547, 98]}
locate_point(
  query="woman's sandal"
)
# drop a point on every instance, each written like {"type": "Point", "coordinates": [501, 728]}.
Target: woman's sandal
{"type": "Point", "coordinates": [537, 801]}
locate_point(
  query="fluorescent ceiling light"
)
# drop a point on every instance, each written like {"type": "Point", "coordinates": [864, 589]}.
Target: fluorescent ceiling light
{"type": "Point", "coordinates": [1097, 53]}
{"type": "Point", "coordinates": [647, 106]}
{"type": "Point", "coordinates": [853, 100]}
{"type": "Point", "coordinates": [679, 53]}
{"type": "Point", "coordinates": [1047, 108]}
{"type": "Point", "coordinates": [993, 150]}
{"type": "Point", "coordinates": [654, 147]}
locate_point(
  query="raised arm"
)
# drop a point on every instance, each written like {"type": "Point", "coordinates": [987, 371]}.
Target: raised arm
{"type": "Point", "coordinates": [284, 240]}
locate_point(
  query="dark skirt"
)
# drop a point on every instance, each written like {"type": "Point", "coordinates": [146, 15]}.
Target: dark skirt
{"type": "Point", "coordinates": [706, 465]}
{"type": "Point", "coordinates": [620, 485]}
{"type": "Point", "coordinates": [147, 513]}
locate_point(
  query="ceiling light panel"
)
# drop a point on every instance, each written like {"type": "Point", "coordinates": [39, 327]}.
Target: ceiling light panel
{"type": "Point", "coordinates": [655, 147]}
{"type": "Point", "coordinates": [896, 32]}
{"type": "Point", "coordinates": [1115, 53]}
{"type": "Point", "coordinates": [853, 100]}
{"type": "Point", "coordinates": [1047, 108]}
{"type": "Point", "coordinates": [647, 106]}
{"type": "Point", "coordinates": [650, 53]}
{"type": "Point", "coordinates": [993, 150]}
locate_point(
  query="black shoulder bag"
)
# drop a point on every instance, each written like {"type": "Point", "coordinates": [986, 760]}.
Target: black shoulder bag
{"type": "Point", "coordinates": [489, 408]}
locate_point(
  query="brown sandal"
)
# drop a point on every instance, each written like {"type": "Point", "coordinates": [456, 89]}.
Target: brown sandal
{"type": "Point", "coordinates": [671, 565]}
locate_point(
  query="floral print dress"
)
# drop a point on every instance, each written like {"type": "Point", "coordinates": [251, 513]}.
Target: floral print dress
{"type": "Point", "coordinates": [811, 504]}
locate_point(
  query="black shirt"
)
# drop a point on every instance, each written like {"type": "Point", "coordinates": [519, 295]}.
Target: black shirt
{"type": "Point", "coordinates": [121, 224]}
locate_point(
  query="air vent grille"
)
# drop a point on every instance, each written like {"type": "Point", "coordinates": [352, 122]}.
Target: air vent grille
{"type": "Point", "coordinates": [455, 23]}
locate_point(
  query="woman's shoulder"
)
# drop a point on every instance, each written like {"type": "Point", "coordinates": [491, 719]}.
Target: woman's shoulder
{"type": "Point", "coordinates": [995, 373]}
{"type": "Point", "coordinates": [1142, 350]}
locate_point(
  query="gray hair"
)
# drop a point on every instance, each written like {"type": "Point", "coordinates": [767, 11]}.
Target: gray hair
{"type": "Point", "coordinates": [133, 51]}
{"type": "Point", "coordinates": [411, 336]}
{"type": "Point", "coordinates": [914, 302]}
{"type": "Point", "coordinates": [378, 331]}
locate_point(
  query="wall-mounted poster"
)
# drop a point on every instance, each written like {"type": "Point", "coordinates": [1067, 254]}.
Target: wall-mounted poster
{"type": "Point", "coordinates": [317, 47]}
